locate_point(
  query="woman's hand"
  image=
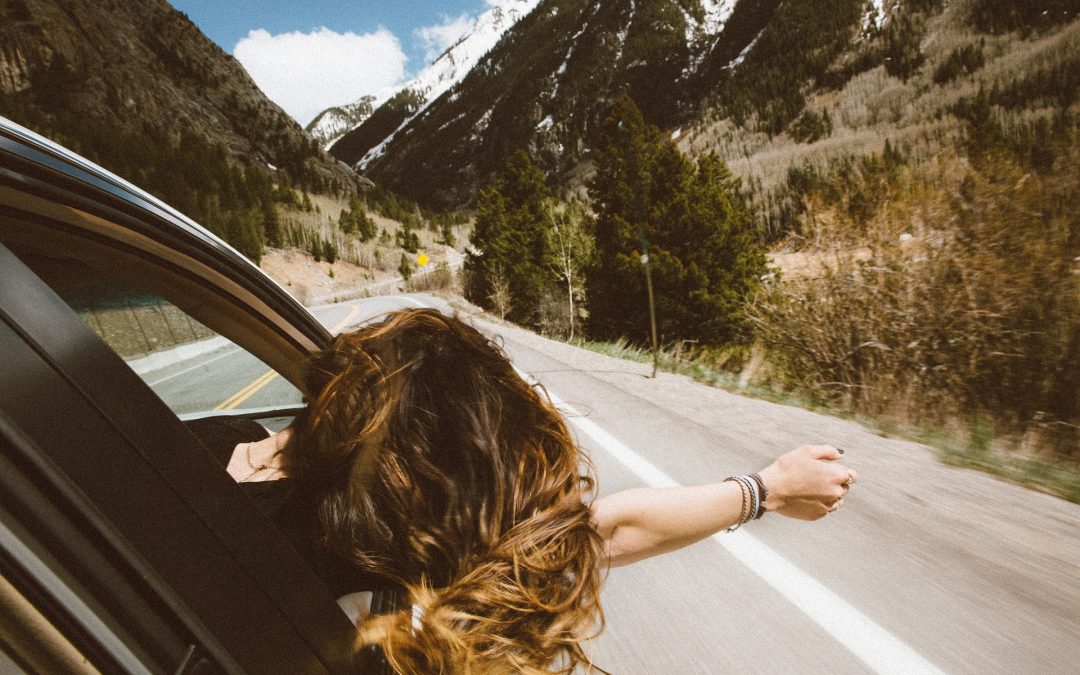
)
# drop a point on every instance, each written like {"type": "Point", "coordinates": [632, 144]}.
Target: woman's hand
{"type": "Point", "coordinates": [808, 482]}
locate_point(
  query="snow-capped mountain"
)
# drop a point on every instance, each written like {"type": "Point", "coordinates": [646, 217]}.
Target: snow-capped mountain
{"type": "Point", "coordinates": [546, 83]}
{"type": "Point", "coordinates": [333, 123]}
{"type": "Point", "coordinates": [434, 80]}
{"type": "Point", "coordinates": [539, 73]}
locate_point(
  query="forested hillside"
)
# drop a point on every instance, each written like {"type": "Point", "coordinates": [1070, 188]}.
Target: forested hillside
{"type": "Point", "coordinates": [911, 167]}
{"type": "Point", "coordinates": [138, 89]}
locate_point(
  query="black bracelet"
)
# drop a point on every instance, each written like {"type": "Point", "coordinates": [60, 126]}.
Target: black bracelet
{"type": "Point", "coordinates": [763, 493]}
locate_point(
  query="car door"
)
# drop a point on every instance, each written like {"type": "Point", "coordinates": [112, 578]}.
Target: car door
{"type": "Point", "coordinates": [117, 528]}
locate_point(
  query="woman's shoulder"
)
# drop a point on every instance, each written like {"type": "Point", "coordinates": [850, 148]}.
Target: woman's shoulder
{"type": "Point", "coordinates": [222, 433]}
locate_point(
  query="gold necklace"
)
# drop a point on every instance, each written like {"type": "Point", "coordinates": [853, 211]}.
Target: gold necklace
{"type": "Point", "coordinates": [254, 469]}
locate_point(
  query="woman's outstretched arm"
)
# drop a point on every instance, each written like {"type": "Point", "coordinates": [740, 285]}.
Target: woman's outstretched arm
{"type": "Point", "coordinates": [806, 483]}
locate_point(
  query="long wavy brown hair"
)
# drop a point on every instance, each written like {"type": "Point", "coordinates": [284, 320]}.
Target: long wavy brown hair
{"type": "Point", "coordinates": [442, 472]}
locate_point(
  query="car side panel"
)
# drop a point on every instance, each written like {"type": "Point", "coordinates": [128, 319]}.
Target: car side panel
{"type": "Point", "coordinates": [201, 543]}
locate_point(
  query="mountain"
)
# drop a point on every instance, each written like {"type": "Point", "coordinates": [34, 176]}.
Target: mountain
{"type": "Point", "coordinates": [74, 68]}
{"type": "Point", "coordinates": [721, 69]}
{"type": "Point", "coordinates": [392, 111]}
{"type": "Point", "coordinates": [545, 85]}
{"type": "Point", "coordinates": [333, 123]}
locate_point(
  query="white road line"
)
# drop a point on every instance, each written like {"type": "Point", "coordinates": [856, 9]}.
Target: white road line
{"type": "Point", "coordinates": [232, 349]}
{"type": "Point", "coordinates": [873, 645]}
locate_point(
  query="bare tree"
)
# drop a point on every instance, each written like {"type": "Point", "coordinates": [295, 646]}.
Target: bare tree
{"type": "Point", "coordinates": [500, 292]}
{"type": "Point", "coordinates": [571, 245]}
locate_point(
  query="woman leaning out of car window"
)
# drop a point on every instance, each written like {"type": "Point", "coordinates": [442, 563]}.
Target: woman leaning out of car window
{"type": "Point", "coordinates": [424, 463]}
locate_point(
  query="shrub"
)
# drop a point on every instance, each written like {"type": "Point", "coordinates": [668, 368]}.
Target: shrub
{"type": "Point", "coordinates": [974, 313]}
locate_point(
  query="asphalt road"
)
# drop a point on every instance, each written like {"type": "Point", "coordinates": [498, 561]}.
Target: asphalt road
{"type": "Point", "coordinates": [927, 568]}
{"type": "Point", "coordinates": [228, 378]}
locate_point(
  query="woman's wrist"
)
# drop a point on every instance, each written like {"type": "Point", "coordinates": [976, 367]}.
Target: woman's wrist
{"type": "Point", "coordinates": [774, 499]}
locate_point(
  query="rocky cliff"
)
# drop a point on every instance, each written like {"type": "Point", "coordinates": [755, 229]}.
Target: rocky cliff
{"type": "Point", "coordinates": [141, 66]}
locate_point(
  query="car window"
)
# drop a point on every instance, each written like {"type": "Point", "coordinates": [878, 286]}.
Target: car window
{"type": "Point", "coordinates": [194, 370]}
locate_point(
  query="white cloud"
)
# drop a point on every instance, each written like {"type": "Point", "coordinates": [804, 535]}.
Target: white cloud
{"type": "Point", "coordinates": [305, 73]}
{"type": "Point", "coordinates": [437, 39]}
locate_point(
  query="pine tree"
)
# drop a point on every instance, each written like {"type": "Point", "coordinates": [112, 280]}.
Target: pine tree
{"type": "Point", "coordinates": [624, 158]}
{"type": "Point", "coordinates": [405, 267]}
{"type": "Point", "coordinates": [347, 221]}
{"type": "Point", "coordinates": [690, 219]}
{"type": "Point", "coordinates": [446, 233]}
{"type": "Point", "coordinates": [271, 225]}
{"type": "Point", "coordinates": [355, 220]}
{"type": "Point", "coordinates": [509, 239]}
{"type": "Point", "coordinates": [329, 251]}
{"type": "Point", "coordinates": [407, 239]}
{"type": "Point", "coordinates": [365, 224]}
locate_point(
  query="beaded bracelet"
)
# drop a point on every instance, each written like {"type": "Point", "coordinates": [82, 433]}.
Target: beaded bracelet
{"type": "Point", "coordinates": [754, 497]}
{"type": "Point", "coordinates": [745, 494]}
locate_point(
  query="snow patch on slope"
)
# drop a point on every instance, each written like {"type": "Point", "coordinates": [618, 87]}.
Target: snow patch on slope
{"type": "Point", "coordinates": [453, 64]}
{"type": "Point", "coordinates": [716, 15]}
{"type": "Point", "coordinates": [874, 15]}
{"type": "Point", "coordinates": [746, 50]}
{"type": "Point", "coordinates": [333, 123]}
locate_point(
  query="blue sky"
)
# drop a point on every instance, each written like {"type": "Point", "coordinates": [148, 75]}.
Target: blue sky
{"type": "Point", "coordinates": [309, 55]}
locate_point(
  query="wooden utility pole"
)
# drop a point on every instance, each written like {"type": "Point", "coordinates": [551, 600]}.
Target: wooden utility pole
{"type": "Point", "coordinates": [652, 302]}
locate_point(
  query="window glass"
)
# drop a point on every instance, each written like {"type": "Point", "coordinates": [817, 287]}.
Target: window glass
{"type": "Point", "coordinates": [194, 370]}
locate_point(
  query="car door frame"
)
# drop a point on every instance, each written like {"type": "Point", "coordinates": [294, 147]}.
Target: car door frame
{"type": "Point", "coordinates": [210, 566]}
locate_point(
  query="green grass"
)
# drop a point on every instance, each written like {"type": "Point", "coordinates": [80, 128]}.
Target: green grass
{"type": "Point", "coordinates": [706, 373]}
{"type": "Point", "coordinates": [978, 452]}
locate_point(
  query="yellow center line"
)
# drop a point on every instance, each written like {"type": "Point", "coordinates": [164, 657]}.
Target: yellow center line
{"type": "Point", "coordinates": [344, 322]}
{"type": "Point", "coordinates": [247, 392]}
{"type": "Point", "coordinates": [264, 379]}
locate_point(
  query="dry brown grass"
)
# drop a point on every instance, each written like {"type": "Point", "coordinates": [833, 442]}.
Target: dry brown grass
{"type": "Point", "coordinates": [958, 300]}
